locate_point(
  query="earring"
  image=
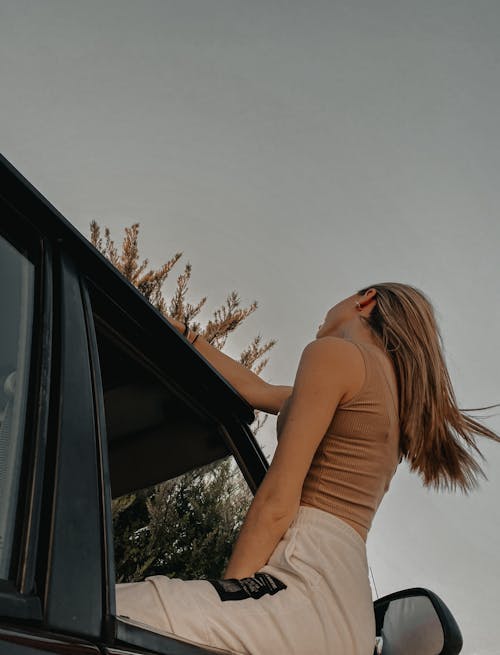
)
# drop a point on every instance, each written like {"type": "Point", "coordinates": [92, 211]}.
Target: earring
{"type": "Point", "coordinates": [358, 306]}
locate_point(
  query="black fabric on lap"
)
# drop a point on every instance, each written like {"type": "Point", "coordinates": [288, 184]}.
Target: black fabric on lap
{"type": "Point", "coordinates": [254, 587]}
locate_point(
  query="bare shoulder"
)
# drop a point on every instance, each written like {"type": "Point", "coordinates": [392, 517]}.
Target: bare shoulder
{"type": "Point", "coordinates": [337, 358]}
{"type": "Point", "coordinates": [334, 347]}
{"type": "Point", "coordinates": [329, 360]}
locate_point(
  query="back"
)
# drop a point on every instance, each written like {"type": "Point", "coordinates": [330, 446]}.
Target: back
{"type": "Point", "coordinates": [353, 466]}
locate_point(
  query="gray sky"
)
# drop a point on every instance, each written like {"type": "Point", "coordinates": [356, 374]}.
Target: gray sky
{"type": "Point", "coordinates": [294, 152]}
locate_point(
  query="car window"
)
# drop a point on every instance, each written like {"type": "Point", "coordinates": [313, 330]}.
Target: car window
{"type": "Point", "coordinates": [179, 496]}
{"type": "Point", "coordinates": [16, 302]}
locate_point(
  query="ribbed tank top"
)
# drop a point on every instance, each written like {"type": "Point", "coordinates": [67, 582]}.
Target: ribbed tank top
{"type": "Point", "coordinates": [355, 461]}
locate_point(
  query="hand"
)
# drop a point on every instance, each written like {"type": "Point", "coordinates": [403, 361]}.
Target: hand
{"type": "Point", "coordinates": [176, 323]}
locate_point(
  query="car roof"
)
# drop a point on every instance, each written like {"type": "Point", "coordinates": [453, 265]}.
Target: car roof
{"type": "Point", "coordinates": [216, 391]}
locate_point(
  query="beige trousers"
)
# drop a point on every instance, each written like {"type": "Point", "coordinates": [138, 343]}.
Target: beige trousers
{"type": "Point", "coordinates": [313, 597]}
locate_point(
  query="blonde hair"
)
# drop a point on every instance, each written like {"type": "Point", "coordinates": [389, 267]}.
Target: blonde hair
{"type": "Point", "coordinates": [433, 429]}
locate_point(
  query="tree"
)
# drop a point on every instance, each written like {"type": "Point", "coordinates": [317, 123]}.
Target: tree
{"type": "Point", "coordinates": [183, 527]}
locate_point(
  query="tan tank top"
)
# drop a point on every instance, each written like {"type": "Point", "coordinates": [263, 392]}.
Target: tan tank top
{"type": "Point", "coordinates": [355, 461]}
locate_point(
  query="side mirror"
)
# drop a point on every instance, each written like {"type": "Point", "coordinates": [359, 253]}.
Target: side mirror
{"type": "Point", "coordinates": [415, 622]}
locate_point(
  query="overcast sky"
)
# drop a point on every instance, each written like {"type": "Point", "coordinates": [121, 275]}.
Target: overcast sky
{"type": "Point", "coordinates": [294, 152]}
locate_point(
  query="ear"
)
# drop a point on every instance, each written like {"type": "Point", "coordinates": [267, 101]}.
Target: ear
{"type": "Point", "coordinates": [370, 293]}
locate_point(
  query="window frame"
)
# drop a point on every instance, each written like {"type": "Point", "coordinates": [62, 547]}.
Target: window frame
{"type": "Point", "coordinates": [194, 381]}
{"type": "Point", "coordinates": [104, 478]}
{"type": "Point", "coordinates": [72, 518]}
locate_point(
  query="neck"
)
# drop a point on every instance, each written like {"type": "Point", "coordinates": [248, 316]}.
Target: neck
{"type": "Point", "coordinates": [354, 330]}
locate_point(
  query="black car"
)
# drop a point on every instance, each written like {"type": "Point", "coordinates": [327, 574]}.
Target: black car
{"type": "Point", "coordinates": [93, 377]}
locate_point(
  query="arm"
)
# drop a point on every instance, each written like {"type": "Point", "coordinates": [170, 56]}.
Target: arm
{"type": "Point", "coordinates": [322, 379]}
{"type": "Point", "coordinates": [256, 391]}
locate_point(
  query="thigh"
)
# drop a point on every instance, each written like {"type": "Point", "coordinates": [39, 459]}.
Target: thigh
{"type": "Point", "coordinates": [280, 621]}
{"type": "Point", "coordinates": [210, 615]}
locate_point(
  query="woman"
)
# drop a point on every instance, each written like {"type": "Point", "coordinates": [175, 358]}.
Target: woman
{"type": "Point", "coordinates": [370, 390]}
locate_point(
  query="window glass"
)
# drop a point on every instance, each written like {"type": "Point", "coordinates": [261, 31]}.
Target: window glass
{"type": "Point", "coordinates": [17, 299]}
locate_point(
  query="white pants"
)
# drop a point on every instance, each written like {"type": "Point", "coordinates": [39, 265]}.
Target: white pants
{"type": "Point", "coordinates": [315, 598]}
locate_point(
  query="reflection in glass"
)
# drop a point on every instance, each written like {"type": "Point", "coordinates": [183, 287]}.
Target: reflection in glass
{"type": "Point", "coordinates": [412, 627]}
{"type": "Point", "coordinates": [16, 302]}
